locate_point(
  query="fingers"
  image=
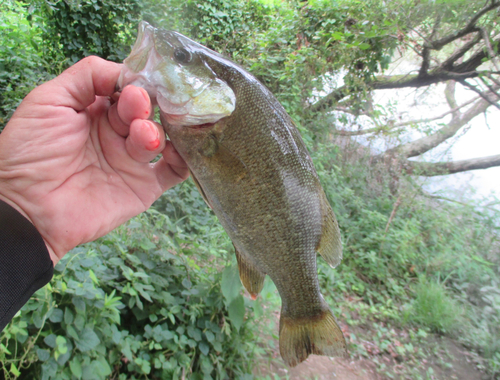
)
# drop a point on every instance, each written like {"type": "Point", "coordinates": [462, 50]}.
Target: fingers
{"type": "Point", "coordinates": [145, 141]}
{"type": "Point", "coordinates": [133, 103]}
{"type": "Point", "coordinates": [129, 118]}
{"type": "Point", "coordinates": [171, 169]}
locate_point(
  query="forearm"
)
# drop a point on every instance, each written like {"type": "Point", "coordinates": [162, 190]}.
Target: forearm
{"type": "Point", "coordinates": [25, 264]}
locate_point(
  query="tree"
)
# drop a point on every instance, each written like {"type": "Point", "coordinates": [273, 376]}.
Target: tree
{"type": "Point", "coordinates": [450, 47]}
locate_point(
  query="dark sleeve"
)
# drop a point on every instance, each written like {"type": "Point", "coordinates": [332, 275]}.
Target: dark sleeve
{"type": "Point", "coordinates": [25, 264]}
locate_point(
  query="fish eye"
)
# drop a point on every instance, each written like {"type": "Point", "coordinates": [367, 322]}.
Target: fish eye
{"type": "Point", "coordinates": [181, 55]}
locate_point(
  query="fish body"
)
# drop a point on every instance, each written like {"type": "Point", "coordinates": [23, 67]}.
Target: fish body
{"type": "Point", "coordinates": [253, 169]}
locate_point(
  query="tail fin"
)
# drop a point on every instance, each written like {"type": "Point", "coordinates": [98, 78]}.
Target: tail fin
{"type": "Point", "coordinates": [318, 335]}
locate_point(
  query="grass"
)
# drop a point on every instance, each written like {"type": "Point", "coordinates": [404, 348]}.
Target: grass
{"type": "Point", "coordinates": [434, 308]}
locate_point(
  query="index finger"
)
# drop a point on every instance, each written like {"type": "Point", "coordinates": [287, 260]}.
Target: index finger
{"type": "Point", "coordinates": [78, 86]}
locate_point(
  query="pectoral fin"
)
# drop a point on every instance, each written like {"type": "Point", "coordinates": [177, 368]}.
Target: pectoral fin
{"type": "Point", "coordinates": [330, 244]}
{"type": "Point", "coordinates": [229, 164]}
{"type": "Point", "coordinates": [251, 277]}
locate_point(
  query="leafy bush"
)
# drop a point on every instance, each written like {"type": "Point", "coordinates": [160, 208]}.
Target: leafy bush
{"type": "Point", "coordinates": [25, 60]}
{"type": "Point", "coordinates": [136, 302]}
{"type": "Point", "coordinates": [89, 27]}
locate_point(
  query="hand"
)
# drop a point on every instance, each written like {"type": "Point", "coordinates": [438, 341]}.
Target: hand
{"type": "Point", "coordinates": [77, 164]}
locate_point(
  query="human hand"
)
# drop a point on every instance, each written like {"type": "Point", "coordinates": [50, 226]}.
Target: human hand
{"type": "Point", "coordinates": [77, 164]}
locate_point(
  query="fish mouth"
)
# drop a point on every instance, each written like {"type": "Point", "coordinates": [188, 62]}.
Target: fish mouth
{"type": "Point", "coordinates": [192, 121]}
{"type": "Point", "coordinates": [202, 126]}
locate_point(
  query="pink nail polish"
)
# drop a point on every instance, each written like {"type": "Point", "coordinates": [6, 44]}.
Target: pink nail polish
{"type": "Point", "coordinates": [153, 145]}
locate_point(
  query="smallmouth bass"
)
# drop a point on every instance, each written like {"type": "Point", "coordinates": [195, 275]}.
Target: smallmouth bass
{"type": "Point", "coordinates": [251, 166]}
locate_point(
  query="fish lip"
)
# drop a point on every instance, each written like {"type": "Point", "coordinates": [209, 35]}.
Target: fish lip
{"type": "Point", "coordinates": [174, 118]}
{"type": "Point", "coordinates": [202, 126]}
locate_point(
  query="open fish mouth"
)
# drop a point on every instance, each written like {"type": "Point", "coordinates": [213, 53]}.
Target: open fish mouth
{"type": "Point", "coordinates": [187, 92]}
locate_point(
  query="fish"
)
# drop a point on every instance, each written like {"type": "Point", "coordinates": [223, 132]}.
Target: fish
{"type": "Point", "coordinates": [250, 164]}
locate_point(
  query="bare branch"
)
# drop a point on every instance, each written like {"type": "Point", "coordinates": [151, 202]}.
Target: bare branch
{"type": "Point", "coordinates": [430, 169]}
{"type": "Point", "coordinates": [459, 53]}
{"type": "Point", "coordinates": [469, 28]}
{"type": "Point", "coordinates": [481, 94]}
{"type": "Point", "coordinates": [393, 213]}
{"type": "Point", "coordinates": [426, 55]}
{"type": "Point", "coordinates": [473, 62]}
{"type": "Point", "coordinates": [449, 93]}
{"type": "Point", "coordinates": [385, 82]}
{"type": "Point", "coordinates": [405, 123]}
{"type": "Point", "coordinates": [426, 143]}
{"type": "Point", "coordinates": [490, 87]}
{"type": "Point", "coordinates": [391, 125]}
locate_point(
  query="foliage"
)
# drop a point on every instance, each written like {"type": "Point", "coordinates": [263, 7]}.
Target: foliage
{"type": "Point", "coordinates": [140, 301]}
{"type": "Point", "coordinates": [386, 257]}
{"type": "Point", "coordinates": [89, 27]}
{"type": "Point", "coordinates": [25, 58]}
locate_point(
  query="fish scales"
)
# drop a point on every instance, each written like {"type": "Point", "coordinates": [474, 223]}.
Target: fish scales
{"type": "Point", "coordinates": [253, 169]}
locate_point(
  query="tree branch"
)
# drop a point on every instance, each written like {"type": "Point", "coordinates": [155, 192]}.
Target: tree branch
{"type": "Point", "coordinates": [443, 72]}
{"type": "Point", "coordinates": [474, 61]}
{"type": "Point", "coordinates": [430, 169]}
{"type": "Point", "coordinates": [426, 143]}
{"type": "Point", "coordinates": [390, 126]}
{"type": "Point", "coordinates": [469, 28]}
{"type": "Point", "coordinates": [460, 52]}
{"type": "Point", "coordinates": [386, 82]}
{"type": "Point", "coordinates": [487, 42]}
{"type": "Point", "coordinates": [405, 123]}
{"type": "Point", "coordinates": [481, 94]}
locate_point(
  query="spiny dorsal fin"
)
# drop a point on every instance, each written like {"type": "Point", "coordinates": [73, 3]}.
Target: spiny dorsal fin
{"type": "Point", "coordinates": [251, 277]}
{"type": "Point", "coordinates": [330, 244]}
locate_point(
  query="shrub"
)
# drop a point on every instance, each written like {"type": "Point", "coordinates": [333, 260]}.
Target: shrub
{"type": "Point", "coordinates": [134, 303]}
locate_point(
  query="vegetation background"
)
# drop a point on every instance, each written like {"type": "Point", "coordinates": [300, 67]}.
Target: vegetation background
{"type": "Point", "coordinates": [160, 298]}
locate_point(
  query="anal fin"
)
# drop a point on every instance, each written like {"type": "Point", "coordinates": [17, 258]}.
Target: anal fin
{"type": "Point", "coordinates": [330, 244]}
{"type": "Point", "coordinates": [251, 277]}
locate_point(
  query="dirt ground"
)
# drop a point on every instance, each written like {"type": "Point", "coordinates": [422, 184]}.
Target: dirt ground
{"type": "Point", "coordinates": [461, 366]}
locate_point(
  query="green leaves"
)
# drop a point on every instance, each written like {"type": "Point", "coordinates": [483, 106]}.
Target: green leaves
{"type": "Point", "coordinates": [231, 289]}
{"type": "Point", "coordinates": [87, 340]}
{"type": "Point", "coordinates": [76, 368]}
{"type": "Point", "coordinates": [236, 311]}
{"type": "Point", "coordinates": [230, 283]}
{"type": "Point", "coordinates": [95, 324]}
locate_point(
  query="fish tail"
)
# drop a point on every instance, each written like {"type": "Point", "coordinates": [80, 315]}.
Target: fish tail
{"type": "Point", "coordinates": [319, 335]}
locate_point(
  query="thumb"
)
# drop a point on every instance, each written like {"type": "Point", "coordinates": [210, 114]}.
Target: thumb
{"type": "Point", "coordinates": [78, 86]}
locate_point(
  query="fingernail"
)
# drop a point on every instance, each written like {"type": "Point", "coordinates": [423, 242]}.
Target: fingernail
{"type": "Point", "coordinates": [155, 143]}
{"type": "Point", "coordinates": [144, 94]}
